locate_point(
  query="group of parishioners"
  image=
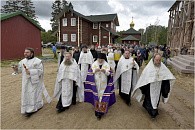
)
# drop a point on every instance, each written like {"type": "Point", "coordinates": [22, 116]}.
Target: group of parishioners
{"type": "Point", "coordinates": [92, 76]}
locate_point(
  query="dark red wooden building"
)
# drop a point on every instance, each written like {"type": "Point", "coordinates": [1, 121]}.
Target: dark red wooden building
{"type": "Point", "coordinates": [76, 29]}
{"type": "Point", "coordinates": [18, 32]}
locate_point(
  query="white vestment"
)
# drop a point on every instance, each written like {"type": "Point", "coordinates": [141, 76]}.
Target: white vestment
{"type": "Point", "coordinates": [100, 77]}
{"type": "Point", "coordinates": [125, 69]}
{"type": "Point", "coordinates": [85, 60]}
{"type": "Point", "coordinates": [32, 85]}
{"type": "Point", "coordinates": [110, 59]}
{"type": "Point", "coordinates": [153, 76]}
{"type": "Point", "coordinates": [64, 83]}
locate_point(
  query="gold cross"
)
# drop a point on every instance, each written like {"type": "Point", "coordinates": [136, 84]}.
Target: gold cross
{"type": "Point", "coordinates": [105, 67]}
{"type": "Point", "coordinates": [95, 66]}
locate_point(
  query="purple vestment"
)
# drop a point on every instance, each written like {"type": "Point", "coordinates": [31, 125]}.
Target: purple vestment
{"type": "Point", "coordinates": [91, 93]}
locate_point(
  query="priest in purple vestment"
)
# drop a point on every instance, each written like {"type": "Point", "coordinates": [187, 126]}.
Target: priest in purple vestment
{"type": "Point", "coordinates": [99, 88]}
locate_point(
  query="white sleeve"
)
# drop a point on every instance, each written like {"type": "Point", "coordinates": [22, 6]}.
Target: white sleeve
{"type": "Point", "coordinates": [107, 72]}
{"type": "Point", "coordinates": [36, 72]}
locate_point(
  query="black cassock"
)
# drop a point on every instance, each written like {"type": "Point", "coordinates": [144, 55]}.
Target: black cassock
{"type": "Point", "coordinates": [165, 89]}
{"type": "Point", "coordinates": [76, 56]}
{"type": "Point", "coordinates": [61, 58]}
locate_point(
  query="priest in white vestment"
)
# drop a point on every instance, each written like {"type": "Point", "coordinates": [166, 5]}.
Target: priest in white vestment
{"type": "Point", "coordinates": [32, 83]}
{"type": "Point", "coordinates": [155, 80]}
{"type": "Point", "coordinates": [68, 86]}
{"type": "Point", "coordinates": [85, 62]}
{"type": "Point", "coordinates": [126, 76]}
{"type": "Point", "coordinates": [99, 88]}
{"type": "Point", "coordinates": [110, 59]}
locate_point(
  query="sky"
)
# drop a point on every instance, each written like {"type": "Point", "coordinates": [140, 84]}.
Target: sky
{"type": "Point", "coordinates": [144, 12]}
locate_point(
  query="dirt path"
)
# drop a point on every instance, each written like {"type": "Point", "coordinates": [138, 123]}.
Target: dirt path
{"type": "Point", "coordinates": [177, 113]}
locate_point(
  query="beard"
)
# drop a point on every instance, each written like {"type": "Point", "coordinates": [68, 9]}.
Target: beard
{"type": "Point", "coordinates": [68, 62]}
{"type": "Point", "coordinates": [157, 65]}
{"type": "Point", "coordinates": [127, 57]}
{"type": "Point", "coordinates": [29, 57]}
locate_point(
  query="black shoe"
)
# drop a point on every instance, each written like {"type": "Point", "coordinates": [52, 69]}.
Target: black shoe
{"type": "Point", "coordinates": [99, 117]}
{"type": "Point", "coordinates": [73, 103]}
{"type": "Point", "coordinates": [153, 116]}
{"type": "Point", "coordinates": [60, 110]}
{"type": "Point", "coordinates": [128, 103]}
{"type": "Point", "coordinates": [144, 106]}
{"type": "Point", "coordinates": [29, 114]}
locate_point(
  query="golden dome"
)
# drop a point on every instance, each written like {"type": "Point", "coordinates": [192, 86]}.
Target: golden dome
{"type": "Point", "coordinates": [132, 24]}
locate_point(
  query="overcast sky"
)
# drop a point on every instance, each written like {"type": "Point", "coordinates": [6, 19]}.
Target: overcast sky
{"type": "Point", "coordinates": [144, 12]}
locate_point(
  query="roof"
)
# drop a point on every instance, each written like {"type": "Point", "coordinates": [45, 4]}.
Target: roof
{"type": "Point", "coordinates": [114, 33]}
{"type": "Point", "coordinates": [103, 18]}
{"type": "Point", "coordinates": [130, 38]}
{"type": "Point", "coordinates": [131, 31]}
{"type": "Point", "coordinates": [91, 18]}
{"type": "Point", "coordinates": [10, 15]}
{"type": "Point", "coordinates": [174, 5]}
{"type": "Point", "coordinates": [66, 9]}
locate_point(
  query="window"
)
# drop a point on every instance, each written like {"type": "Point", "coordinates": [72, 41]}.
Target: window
{"type": "Point", "coordinates": [64, 21]}
{"type": "Point", "coordinates": [73, 21]}
{"type": "Point", "coordinates": [107, 25]}
{"type": "Point", "coordinates": [73, 37]}
{"type": "Point", "coordinates": [104, 36]}
{"type": "Point", "coordinates": [95, 25]}
{"type": "Point", "coordinates": [95, 38]}
{"type": "Point", "coordinates": [65, 37]}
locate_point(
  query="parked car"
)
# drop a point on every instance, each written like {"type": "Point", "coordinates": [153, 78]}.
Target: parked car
{"type": "Point", "coordinates": [47, 45]}
{"type": "Point", "coordinates": [59, 45]}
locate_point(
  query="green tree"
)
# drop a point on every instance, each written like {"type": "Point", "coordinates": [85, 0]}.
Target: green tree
{"type": "Point", "coordinates": [28, 8]}
{"type": "Point", "coordinates": [155, 33]}
{"type": "Point", "coordinates": [64, 3]}
{"type": "Point", "coordinates": [163, 36]}
{"type": "Point", "coordinates": [25, 6]}
{"type": "Point", "coordinates": [57, 8]}
{"type": "Point", "coordinates": [11, 6]}
{"type": "Point", "coordinates": [119, 39]}
{"type": "Point", "coordinates": [149, 33]}
{"type": "Point", "coordinates": [48, 37]}
{"type": "Point", "coordinates": [142, 36]}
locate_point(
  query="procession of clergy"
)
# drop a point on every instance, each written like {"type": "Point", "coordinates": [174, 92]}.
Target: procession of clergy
{"type": "Point", "coordinates": [94, 76]}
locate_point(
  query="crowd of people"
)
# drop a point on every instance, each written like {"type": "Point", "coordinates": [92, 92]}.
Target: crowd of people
{"type": "Point", "coordinates": [94, 74]}
{"type": "Point", "coordinates": [139, 52]}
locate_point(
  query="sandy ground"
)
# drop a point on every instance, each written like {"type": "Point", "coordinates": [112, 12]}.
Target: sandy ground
{"type": "Point", "coordinates": [177, 113]}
